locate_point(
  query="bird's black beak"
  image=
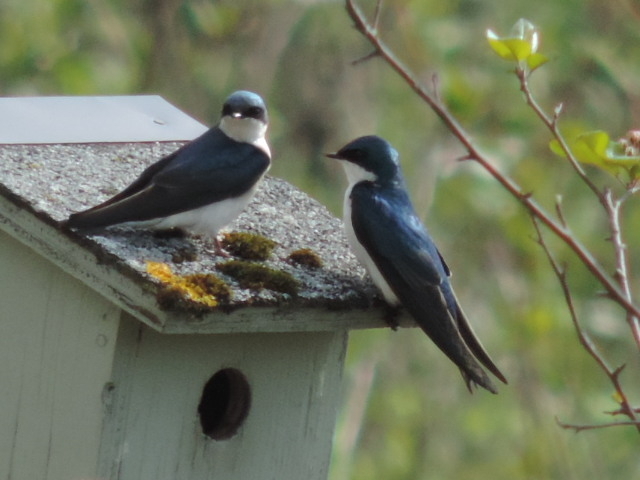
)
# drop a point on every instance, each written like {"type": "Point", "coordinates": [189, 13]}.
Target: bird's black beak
{"type": "Point", "coordinates": [333, 155]}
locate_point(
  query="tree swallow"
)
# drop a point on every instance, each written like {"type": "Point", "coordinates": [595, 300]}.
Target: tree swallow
{"type": "Point", "coordinates": [201, 187]}
{"type": "Point", "coordinates": [394, 246]}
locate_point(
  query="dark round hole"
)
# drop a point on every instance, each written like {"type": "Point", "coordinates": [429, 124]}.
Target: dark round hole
{"type": "Point", "coordinates": [225, 404]}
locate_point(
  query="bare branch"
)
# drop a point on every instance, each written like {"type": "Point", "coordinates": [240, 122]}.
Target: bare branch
{"type": "Point", "coordinates": [367, 57]}
{"type": "Point", "coordinates": [552, 125]}
{"type": "Point", "coordinates": [560, 212]}
{"type": "Point", "coordinates": [581, 428]}
{"type": "Point", "coordinates": [613, 209]}
{"type": "Point", "coordinates": [376, 15]}
{"type": "Point", "coordinates": [560, 273]}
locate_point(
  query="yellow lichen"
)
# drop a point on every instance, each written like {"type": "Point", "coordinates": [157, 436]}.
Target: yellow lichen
{"type": "Point", "coordinates": [203, 289]}
{"type": "Point", "coordinates": [160, 270]}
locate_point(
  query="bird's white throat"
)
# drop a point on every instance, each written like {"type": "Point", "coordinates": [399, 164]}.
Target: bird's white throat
{"type": "Point", "coordinates": [355, 173]}
{"type": "Point", "coordinates": [246, 130]}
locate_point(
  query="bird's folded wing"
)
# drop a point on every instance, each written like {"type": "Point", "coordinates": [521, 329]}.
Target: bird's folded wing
{"type": "Point", "coordinates": [401, 248]}
{"type": "Point", "coordinates": [207, 170]}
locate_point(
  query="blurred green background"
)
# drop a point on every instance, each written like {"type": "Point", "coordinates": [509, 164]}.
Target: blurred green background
{"type": "Point", "coordinates": [406, 413]}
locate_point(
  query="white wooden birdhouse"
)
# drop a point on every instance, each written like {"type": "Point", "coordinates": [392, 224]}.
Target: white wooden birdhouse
{"type": "Point", "coordinates": [134, 356]}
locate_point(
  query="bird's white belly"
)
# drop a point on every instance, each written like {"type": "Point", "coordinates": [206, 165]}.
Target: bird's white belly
{"type": "Point", "coordinates": [208, 219]}
{"type": "Point", "coordinates": [363, 257]}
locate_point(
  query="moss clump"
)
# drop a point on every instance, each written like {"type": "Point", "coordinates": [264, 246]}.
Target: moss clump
{"type": "Point", "coordinates": [249, 246]}
{"type": "Point", "coordinates": [172, 298]}
{"type": "Point", "coordinates": [207, 284]}
{"type": "Point", "coordinates": [185, 291]}
{"type": "Point", "coordinates": [305, 257]}
{"type": "Point", "coordinates": [256, 276]}
{"type": "Point", "coordinates": [182, 255]}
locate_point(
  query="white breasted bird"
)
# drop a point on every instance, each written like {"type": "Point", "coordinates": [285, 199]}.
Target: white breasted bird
{"type": "Point", "coordinates": [394, 246]}
{"type": "Point", "coordinates": [201, 187]}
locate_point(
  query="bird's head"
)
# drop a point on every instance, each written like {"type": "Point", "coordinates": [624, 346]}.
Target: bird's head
{"type": "Point", "coordinates": [244, 117]}
{"type": "Point", "coordinates": [369, 158]}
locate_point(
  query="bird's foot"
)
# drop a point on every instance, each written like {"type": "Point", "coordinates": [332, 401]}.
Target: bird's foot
{"type": "Point", "coordinates": [218, 250]}
{"type": "Point", "coordinates": [170, 233]}
{"type": "Point", "coordinates": [391, 314]}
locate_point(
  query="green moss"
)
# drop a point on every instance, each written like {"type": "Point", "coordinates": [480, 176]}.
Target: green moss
{"type": "Point", "coordinates": [249, 246]}
{"type": "Point", "coordinates": [305, 257]}
{"type": "Point", "coordinates": [184, 255]}
{"type": "Point", "coordinates": [256, 276]}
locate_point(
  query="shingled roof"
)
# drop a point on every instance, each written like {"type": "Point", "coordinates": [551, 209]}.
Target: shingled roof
{"type": "Point", "coordinates": [40, 185]}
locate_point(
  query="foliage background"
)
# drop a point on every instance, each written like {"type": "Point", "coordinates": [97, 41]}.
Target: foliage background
{"type": "Point", "coordinates": [406, 413]}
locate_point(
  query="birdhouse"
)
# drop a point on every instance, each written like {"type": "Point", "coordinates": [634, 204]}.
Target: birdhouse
{"type": "Point", "coordinates": [127, 354]}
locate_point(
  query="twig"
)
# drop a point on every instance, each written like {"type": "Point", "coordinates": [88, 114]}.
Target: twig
{"type": "Point", "coordinates": [552, 124]}
{"type": "Point", "coordinates": [581, 428]}
{"type": "Point", "coordinates": [613, 413]}
{"type": "Point", "coordinates": [368, 56]}
{"type": "Point", "coordinates": [611, 287]}
{"type": "Point", "coordinates": [376, 15]}
{"type": "Point", "coordinates": [585, 340]}
{"type": "Point", "coordinates": [613, 208]}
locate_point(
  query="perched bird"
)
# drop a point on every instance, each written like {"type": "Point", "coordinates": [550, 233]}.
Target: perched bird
{"type": "Point", "coordinates": [200, 187]}
{"type": "Point", "coordinates": [394, 246]}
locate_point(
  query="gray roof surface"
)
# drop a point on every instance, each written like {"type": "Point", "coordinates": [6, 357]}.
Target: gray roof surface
{"type": "Point", "coordinates": [52, 181]}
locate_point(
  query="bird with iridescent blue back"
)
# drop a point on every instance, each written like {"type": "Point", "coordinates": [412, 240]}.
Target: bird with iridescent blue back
{"type": "Point", "coordinates": [201, 187]}
{"type": "Point", "coordinates": [395, 248]}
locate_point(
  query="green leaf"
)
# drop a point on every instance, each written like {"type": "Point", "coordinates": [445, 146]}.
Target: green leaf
{"type": "Point", "coordinates": [510, 48]}
{"type": "Point", "coordinates": [536, 60]}
{"type": "Point", "coordinates": [596, 148]}
{"type": "Point", "coordinates": [520, 45]}
{"type": "Point", "coordinates": [591, 147]}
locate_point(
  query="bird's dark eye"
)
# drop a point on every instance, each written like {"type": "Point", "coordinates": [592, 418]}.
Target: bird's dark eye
{"type": "Point", "coordinates": [253, 112]}
{"type": "Point", "coordinates": [354, 154]}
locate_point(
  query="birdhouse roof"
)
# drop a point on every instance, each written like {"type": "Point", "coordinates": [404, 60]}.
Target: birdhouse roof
{"type": "Point", "coordinates": [142, 272]}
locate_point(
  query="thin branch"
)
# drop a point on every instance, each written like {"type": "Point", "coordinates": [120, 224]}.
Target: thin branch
{"type": "Point", "coordinates": [376, 15]}
{"type": "Point", "coordinates": [561, 275]}
{"type": "Point", "coordinates": [560, 212]}
{"type": "Point", "coordinates": [368, 56]}
{"type": "Point", "coordinates": [581, 428]}
{"type": "Point", "coordinates": [552, 124]}
{"type": "Point", "coordinates": [613, 413]}
{"type": "Point", "coordinates": [613, 208]}
{"type": "Point", "coordinates": [585, 340]}
{"type": "Point", "coordinates": [611, 287]}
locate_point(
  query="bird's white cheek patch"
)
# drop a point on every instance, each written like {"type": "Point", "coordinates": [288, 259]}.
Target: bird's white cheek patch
{"type": "Point", "coordinates": [356, 174]}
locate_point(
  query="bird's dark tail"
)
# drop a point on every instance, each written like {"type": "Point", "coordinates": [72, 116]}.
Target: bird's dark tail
{"type": "Point", "coordinates": [456, 339]}
{"type": "Point", "coordinates": [481, 380]}
{"type": "Point", "coordinates": [472, 341]}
